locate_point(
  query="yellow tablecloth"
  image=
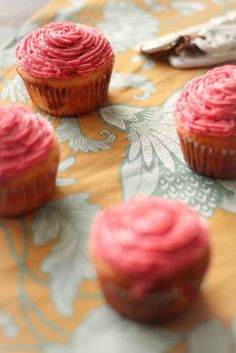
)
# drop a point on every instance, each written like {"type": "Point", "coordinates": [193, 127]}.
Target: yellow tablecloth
{"type": "Point", "coordinates": [50, 301]}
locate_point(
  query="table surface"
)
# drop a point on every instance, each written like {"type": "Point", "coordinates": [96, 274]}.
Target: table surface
{"type": "Point", "coordinates": [13, 13]}
{"type": "Point", "coordinates": [50, 300]}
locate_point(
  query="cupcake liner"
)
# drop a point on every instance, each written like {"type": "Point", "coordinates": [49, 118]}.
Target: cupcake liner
{"type": "Point", "coordinates": [28, 197]}
{"type": "Point", "coordinates": [157, 306]}
{"type": "Point", "coordinates": [209, 161]}
{"type": "Point", "coordinates": [69, 101]}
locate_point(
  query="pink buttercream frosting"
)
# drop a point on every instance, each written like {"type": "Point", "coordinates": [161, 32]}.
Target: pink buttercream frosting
{"type": "Point", "coordinates": [207, 104]}
{"type": "Point", "coordinates": [63, 49]}
{"type": "Point", "coordinates": [148, 239]}
{"type": "Point", "coordinates": [25, 139]}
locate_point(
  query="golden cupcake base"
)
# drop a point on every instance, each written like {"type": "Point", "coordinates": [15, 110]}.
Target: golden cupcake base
{"type": "Point", "coordinates": [208, 155]}
{"type": "Point", "coordinates": [73, 96]}
{"type": "Point", "coordinates": [31, 188]}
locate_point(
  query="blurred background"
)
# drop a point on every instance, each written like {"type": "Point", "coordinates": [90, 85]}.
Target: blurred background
{"type": "Point", "coordinates": [13, 13]}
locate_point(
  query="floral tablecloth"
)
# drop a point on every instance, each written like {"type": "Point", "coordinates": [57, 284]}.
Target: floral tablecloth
{"type": "Point", "coordinates": [50, 301]}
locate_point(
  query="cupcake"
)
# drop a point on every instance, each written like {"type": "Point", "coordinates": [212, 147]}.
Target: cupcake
{"type": "Point", "coordinates": [66, 68]}
{"type": "Point", "coordinates": [29, 156]}
{"type": "Point", "coordinates": [205, 119]}
{"type": "Point", "coordinates": [150, 255]}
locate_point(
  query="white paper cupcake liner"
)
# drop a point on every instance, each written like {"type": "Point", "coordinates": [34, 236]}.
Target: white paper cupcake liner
{"type": "Point", "coordinates": [209, 161]}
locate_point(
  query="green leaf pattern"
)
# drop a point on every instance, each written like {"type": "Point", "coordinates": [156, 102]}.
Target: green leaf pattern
{"type": "Point", "coordinates": [186, 8]}
{"type": "Point", "coordinates": [154, 164]}
{"type": "Point", "coordinates": [14, 90]}
{"type": "Point", "coordinates": [110, 330]}
{"type": "Point", "coordinates": [210, 337]}
{"type": "Point", "coordinates": [124, 32]}
{"type": "Point", "coordinates": [67, 12]}
{"type": "Point", "coordinates": [119, 80]}
{"type": "Point", "coordinates": [7, 325]}
{"type": "Point", "coordinates": [64, 165]}
{"type": "Point", "coordinates": [69, 131]}
{"type": "Point", "coordinates": [67, 265]}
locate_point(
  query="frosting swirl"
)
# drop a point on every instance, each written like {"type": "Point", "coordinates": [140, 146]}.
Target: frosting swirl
{"type": "Point", "coordinates": [148, 238]}
{"type": "Point", "coordinates": [207, 104]}
{"type": "Point", "coordinates": [63, 49]}
{"type": "Point", "coordinates": [25, 138]}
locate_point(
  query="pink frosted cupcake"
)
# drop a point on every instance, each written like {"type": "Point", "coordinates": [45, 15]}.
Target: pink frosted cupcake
{"type": "Point", "coordinates": [66, 68]}
{"type": "Point", "coordinates": [29, 156]}
{"type": "Point", "coordinates": [205, 119]}
{"type": "Point", "coordinates": [150, 255]}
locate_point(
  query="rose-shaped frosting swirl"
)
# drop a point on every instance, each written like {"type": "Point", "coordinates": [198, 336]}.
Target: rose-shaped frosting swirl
{"type": "Point", "coordinates": [148, 238]}
{"type": "Point", "coordinates": [207, 104]}
{"type": "Point", "coordinates": [25, 138]}
{"type": "Point", "coordinates": [63, 49]}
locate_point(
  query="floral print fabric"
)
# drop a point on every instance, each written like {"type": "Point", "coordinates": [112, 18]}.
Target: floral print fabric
{"type": "Point", "coordinates": [50, 300]}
